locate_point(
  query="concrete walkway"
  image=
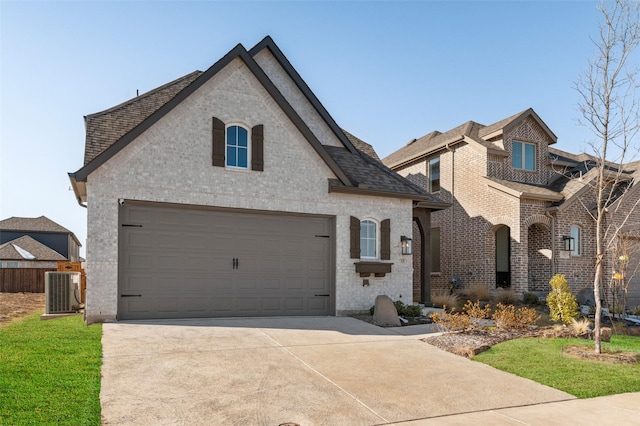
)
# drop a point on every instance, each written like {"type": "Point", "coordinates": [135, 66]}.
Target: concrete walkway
{"type": "Point", "coordinates": [316, 371]}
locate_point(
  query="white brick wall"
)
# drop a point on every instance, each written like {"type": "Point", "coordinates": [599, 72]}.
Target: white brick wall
{"type": "Point", "coordinates": [171, 162]}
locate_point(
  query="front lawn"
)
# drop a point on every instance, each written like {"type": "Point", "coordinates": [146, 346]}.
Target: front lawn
{"type": "Point", "coordinates": [50, 372]}
{"type": "Point", "coordinates": [543, 360]}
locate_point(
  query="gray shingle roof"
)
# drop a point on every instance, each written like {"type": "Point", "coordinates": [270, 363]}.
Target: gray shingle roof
{"type": "Point", "coordinates": [10, 251]}
{"type": "Point", "coordinates": [361, 145]}
{"type": "Point", "coordinates": [106, 127]}
{"type": "Point", "coordinates": [529, 190]}
{"type": "Point", "coordinates": [40, 224]}
{"type": "Point", "coordinates": [371, 175]}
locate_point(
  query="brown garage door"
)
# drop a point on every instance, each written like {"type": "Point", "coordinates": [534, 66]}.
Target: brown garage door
{"type": "Point", "coordinates": [188, 262]}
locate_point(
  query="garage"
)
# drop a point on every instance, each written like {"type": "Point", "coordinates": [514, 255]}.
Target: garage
{"type": "Point", "coordinates": [191, 262]}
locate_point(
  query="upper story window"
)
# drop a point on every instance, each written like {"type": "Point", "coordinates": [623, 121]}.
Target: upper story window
{"type": "Point", "coordinates": [523, 156]}
{"type": "Point", "coordinates": [575, 234]}
{"type": "Point", "coordinates": [237, 147]}
{"type": "Point", "coordinates": [368, 239]}
{"type": "Point", "coordinates": [434, 174]}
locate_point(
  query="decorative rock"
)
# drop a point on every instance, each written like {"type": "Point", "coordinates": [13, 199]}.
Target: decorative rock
{"type": "Point", "coordinates": [385, 312]}
{"type": "Point", "coordinates": [605, 334]}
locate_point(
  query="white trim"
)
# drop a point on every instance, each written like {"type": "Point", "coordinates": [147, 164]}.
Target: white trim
{"type": "Point", "coordinates": [226, 158]}
{"type": "Point", "coordinates": [377, 239]}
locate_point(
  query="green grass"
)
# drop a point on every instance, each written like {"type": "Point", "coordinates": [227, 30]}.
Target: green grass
{"type": "Point", "coordinates": [50, 372]}
{"type": "Point", "coordinates": [542, 360]}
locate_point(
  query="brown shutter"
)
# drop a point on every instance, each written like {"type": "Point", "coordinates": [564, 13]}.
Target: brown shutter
{"type": "Point", "coordinates": [385, 239]}
{"type": "Point", "coordinates": [257, 138]}
{"type": "Point", "coordinates": [217, 136]}
{"type": "Point", "coordinates": [354, 251]}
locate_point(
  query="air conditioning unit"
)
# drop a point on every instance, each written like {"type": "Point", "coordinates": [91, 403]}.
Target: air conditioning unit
{"type": "Point", "coordinates": [61, 292]}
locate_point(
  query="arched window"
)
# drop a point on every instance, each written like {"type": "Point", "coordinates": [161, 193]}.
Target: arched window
{"type": "Point", "coordinates": [368, 239]}
{"type": "Point", "coordinates": [575, 234]}
{"type": "Point", "coordinates": [237, 147]}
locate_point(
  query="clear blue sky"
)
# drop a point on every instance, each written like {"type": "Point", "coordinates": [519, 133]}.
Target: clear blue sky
{"type": "Point", "coordinates": [387, 71]}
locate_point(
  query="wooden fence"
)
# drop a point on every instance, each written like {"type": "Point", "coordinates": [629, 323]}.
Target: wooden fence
{"type": "Point", "coordinates": [22, 280]}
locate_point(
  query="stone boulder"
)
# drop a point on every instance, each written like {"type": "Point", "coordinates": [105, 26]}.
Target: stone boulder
{"type": "Point", "coordinates": [385, 312]}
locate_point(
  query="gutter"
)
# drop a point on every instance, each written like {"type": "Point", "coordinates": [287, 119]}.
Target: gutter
{"type": "Point", "coordinates": [74, 185]}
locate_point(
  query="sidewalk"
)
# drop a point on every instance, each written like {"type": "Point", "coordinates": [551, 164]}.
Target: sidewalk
{"type": "Point", "coordinates": [623, 409]}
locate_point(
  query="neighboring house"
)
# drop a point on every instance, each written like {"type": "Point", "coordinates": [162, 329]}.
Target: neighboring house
{"type": "Point", "coordinates": [232, 192]}
{"type": "Point", "coordinates": [519, 209]}
{"type": "Point", "coordinates": [36, 243]}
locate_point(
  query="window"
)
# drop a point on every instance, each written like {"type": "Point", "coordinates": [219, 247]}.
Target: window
{"type": "Point", "coordinates": [523, 156]}
{"type": "Point", "coordinates": [237, 147]}
{"type": "Point", "coordinates": [434, 174]}
{"type": "Point", "coordinates": [11, 264]}
{"type": "Point", "coordinates": [575, 234]}
{"type": "Point", "coordinates": [435, 250]}
{"type": "Point", "coordinates": [368, 239]}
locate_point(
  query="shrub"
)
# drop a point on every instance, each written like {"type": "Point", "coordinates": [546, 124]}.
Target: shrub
{"type": "Point", "coordinates": [530, 299]}
{"type": "Point", "coordinates": [400, 307]}
{"type": "Point", "coordinates": [507, 296]}
{"type": "Point", "coordinates": [563, 305]}
{"type": "Point", "coordinates": [442, 298]}
{"type": "Point", "coordinates": [413, 311]}
{"type": "Point", "coordinates": [581, 327]}
{"type": "Point", "coordinates": [470, 318]}
{"type": "Point", "coordinates": [479, 292]}
{"type": "Point", "coordinates": [507, 317]}
{"type": "Point", "coordinates": [452, 321]}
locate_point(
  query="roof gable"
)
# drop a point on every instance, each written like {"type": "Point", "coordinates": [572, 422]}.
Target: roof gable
{"type": "Point", "coordinates": [503, 126]}
{"type": "Point", "coordinates": [237, 52]}
{"type": "Point", "coordinates": [26, 248]}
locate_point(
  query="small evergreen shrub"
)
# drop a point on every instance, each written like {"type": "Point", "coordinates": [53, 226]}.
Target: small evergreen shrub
{"type": "Point", "coordinates": [563, 306]}
{"type": "Point", "coordinates": [530, 299]}
{"type": "Point", "coordinates": [412, 311]}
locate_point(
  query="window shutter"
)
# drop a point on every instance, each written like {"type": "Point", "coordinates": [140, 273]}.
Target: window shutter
{"type": "Point", "coordinates": [217, 136]}
{"type": "Point", "coordinates": [355, 238]}
{"type": "Point", "coordinates": [257, 157]}
{"type": "Point", "coordinates": [385, 239]}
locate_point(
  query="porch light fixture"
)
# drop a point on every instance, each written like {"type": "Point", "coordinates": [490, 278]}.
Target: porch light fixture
{"type": "Point", "coordinates": [405, 243]}
{"type": "Point", "coordinates": [568, 243]}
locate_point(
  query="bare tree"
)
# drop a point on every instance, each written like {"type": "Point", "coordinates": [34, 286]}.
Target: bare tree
{"type": "Point", "coordinates": [610, 110]}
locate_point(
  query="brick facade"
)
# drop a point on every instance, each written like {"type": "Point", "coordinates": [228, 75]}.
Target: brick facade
{"type": "Point", "coordinates": [482, 186]}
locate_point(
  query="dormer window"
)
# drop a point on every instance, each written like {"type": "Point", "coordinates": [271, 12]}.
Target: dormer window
{"type": "Point", "coordinates": [523, 156]}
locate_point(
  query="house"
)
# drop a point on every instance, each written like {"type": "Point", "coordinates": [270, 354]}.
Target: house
{"type": "Point", "coordinates": [233, 192]}
{"type": "Point", "coordinates": [36, 243]}
{"type": "Point", "coordinates": [519, 208]}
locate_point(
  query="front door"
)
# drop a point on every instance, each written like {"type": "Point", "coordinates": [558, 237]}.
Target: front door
{"type": "Point", "coordinates": [503, 257]}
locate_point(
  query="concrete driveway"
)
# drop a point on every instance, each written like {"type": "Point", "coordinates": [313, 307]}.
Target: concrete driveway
{"type": "Point", "coordinates": [307, 371]}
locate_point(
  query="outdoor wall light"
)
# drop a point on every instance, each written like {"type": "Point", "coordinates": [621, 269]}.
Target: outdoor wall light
{"type": "Point", "coordinates": [569, 243]}
{"type": "Point", "coordinates": [405, 243]}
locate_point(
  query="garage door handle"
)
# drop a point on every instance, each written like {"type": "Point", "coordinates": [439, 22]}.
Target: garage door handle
{"type": "Point", "coordinates": [130, 295]}
{"type": "Point", "coordinates": [322, 295]}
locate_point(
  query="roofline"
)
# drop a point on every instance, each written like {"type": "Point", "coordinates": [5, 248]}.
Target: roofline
{"type": "Point", "coordinates": [237, 52]}
{"type": "Point", "coordinates": [432, 205]}
{"type": "Point", "coordinates": [375, 193]}
{"type": "Point", "coordinates": [268, 43]}
{"type": "Point", "coordinates": [522, 194]}
{"type": "Point", "coordinates": [425, 154]}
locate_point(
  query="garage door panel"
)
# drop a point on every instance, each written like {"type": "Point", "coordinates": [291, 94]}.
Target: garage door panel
{"type": "Point", "coordinates": [207, 263]}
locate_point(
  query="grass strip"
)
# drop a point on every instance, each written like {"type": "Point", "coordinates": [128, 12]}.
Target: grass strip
{"type": "Point", "coordinates": [50, 372]}
{"type": "Point", "coordinates": [543, 360]}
